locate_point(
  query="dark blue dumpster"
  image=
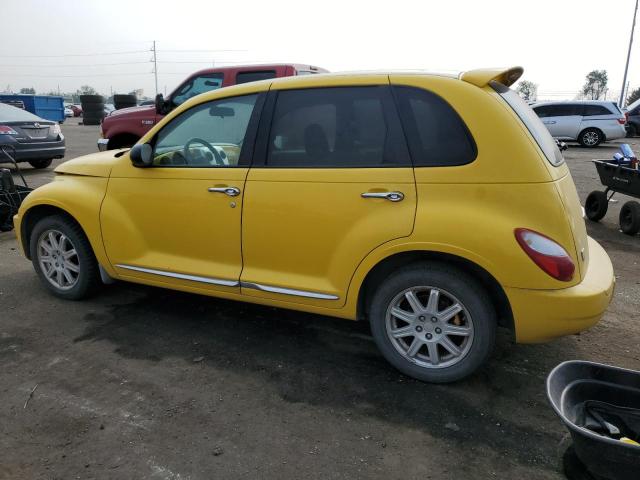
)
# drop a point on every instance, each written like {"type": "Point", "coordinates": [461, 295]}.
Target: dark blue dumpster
{"type": "Point", "coordinates": [44, 106]}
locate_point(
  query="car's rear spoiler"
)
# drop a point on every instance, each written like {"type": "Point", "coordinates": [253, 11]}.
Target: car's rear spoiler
{"type": "Point", "coordinates": [484, 76]}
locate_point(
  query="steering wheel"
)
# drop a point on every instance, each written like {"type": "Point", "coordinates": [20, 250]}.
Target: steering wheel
{"type": "Point", "coordinates": [216, 155]}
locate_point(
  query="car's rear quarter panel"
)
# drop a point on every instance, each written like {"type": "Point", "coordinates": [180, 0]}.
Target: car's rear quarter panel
{"type": "Point", "coordinates": [476, 207]}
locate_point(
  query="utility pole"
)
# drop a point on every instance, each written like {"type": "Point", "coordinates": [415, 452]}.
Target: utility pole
{"type": "Point", "coordinates": [155, 65]}
{"type": "Point", "coordinates": [626, 67]}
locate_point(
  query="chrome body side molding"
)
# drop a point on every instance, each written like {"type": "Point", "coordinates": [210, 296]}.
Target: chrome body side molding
{"type": "Point", "coordinates": [288, 291]}
{"type": "Point", "coordinates": [182, 276]}
{"type": "Point", "coordinates": [231, 283]}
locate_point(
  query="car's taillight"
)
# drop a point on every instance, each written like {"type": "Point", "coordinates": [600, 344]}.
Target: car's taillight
{"type": "Point", "coordinates": [6, 130]}
{"type": "Point", "coordinates": [622, 121]}
{"type": "Point", "coordinates": [55, 129]}
{"type": "Point", "coordinates": [546, 253]}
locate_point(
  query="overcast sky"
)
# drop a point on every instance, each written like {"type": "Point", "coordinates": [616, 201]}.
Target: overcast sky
{"type": "Point", "coordinates": [46, 44]}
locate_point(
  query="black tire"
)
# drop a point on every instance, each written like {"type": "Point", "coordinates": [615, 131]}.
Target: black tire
{"type": "Point", "coordinates": [94, 109]}
{"type": "Point", "coordinates": [591, 137]}
{"type": "Point", "coordinates": [630, 218]}
{"type": "Point", "coordinates": [449, 281]}
{"type": "Point", "coordinates": [124, 101]}
{"type": "Point", "coordinates": [596, 206]}
{"type": "Point", "coordinates": [87, 99]}
{"type": "Point", "coordinates": [42, 163]}
{"type": "Point", "coordinates": [88, 277]}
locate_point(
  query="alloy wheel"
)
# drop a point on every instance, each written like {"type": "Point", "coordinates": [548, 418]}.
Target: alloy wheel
{"type": "Point", "coordinates": [591, 138]}
{"type": "Point", "coordinates": [58, 259]}
{"type": "Point", "coordinates": [429, 327]}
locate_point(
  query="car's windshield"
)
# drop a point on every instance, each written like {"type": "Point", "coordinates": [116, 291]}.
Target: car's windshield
{"type": "Point", "coordinates": [196, 86]}
{"type": "Point", "coordinates": [533, 123]}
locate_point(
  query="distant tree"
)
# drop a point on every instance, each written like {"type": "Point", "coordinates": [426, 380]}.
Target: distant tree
{"type": "Point", "coordinates": [86, 90]}
{"type": "Point", "coordinates": [28, 91]}
{"type": "Point", "coordinates": [633, 96]}
{"type": "Point", "coordinates": [595, 86]}
{"type": "Point", "coordinates": [528, 90]}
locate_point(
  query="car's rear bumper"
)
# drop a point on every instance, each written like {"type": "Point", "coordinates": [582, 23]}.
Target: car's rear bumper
{"type": "Point", "coordinates": [39, 150]}
{"type": "Point", "coordinates": [541, 315]}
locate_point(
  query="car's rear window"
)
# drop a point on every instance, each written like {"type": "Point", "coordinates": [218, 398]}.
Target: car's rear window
{"type": "Point", "coordinates": [535, 126]}
{"type": "Point", "coordinates": [594, 110]}
{"type": "Point", "coordinates": [10, 113]}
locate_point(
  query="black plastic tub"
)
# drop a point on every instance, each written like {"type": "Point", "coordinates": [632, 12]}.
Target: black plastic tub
{"type": "Point", "coordinates": [569, 386]}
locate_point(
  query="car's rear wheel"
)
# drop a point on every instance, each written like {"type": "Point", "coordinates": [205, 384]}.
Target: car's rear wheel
{"type": "Point", "coordinates": [433, 323]}
{"type": "Point", "coordinates": [63, 258]}
{"type": "Point", "coordinates": [590, 137]}
{"type": "Point", "coordinates": [630, 218]}
{"type": "Point", "coordinates": [44, 163]}
{"type": "Point", "coordinates": [596, 205]}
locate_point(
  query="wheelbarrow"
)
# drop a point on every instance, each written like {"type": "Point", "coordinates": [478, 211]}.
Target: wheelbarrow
{"type": "Point", "coordinates": [11, 195]}
{"type": "Point", "coordinates": [600, 406]}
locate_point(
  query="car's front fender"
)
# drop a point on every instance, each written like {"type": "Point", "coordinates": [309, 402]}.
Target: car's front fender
{"type": "Point", "coordinates": [79, 197]}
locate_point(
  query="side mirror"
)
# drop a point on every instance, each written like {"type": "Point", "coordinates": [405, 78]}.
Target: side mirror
{"type": "Point", "coordinates": [160, 104]}
{"type": "Point", "coordinates": [141, 155]}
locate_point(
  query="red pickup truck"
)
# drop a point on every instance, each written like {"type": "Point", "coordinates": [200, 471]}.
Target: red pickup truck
{"type": "Point", "coordinates": [123, 128]}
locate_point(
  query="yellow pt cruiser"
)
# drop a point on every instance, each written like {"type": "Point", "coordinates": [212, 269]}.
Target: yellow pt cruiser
{"type": "Point", "coordinates": [436, 207]}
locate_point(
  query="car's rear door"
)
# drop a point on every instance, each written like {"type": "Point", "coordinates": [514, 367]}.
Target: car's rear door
{"type": "Point", "coordinates": [331, 181]}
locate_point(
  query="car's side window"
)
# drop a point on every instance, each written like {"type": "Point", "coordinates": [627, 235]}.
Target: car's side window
{"type": "Point", "coordinates": [437, 135]}
{"type": "Point", "coordinates": [198, 85]}
{"type": "Point", "coordinates": [339, 127]}
{"type": "Point", "coordinates": [208, 135]}
{"type": "Point", "coordinates": [254, 76]}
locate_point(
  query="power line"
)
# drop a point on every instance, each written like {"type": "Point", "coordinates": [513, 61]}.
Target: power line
{"type": "Point", "coordinates": [62, 65]}
{"type": "Point", "coordinates": [75, 54]}
{"type": "Point", "coordinates": [79, 76]}
{"type": "Point", "coordinates": [202, 51]}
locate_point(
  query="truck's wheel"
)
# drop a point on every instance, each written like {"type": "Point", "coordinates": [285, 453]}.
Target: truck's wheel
{"type": "Point", "coordinates": [433, 322]}
{"type": "Point", "coordinates": [122, 141]}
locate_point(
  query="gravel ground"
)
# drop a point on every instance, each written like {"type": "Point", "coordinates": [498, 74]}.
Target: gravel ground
{"type": "Point", "coordinates": [140, 382]}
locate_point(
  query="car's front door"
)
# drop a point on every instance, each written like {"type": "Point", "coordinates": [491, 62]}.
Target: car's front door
{"type": "Point", "coordinates": [179, 221]}
{"type": "Point", "coordinates": [331, 181]}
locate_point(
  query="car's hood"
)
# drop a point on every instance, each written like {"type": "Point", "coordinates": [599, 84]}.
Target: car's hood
{"type": "Point", "coordinates": [92, 165]}
{"type": "Point", "coordinates": [146, 109]}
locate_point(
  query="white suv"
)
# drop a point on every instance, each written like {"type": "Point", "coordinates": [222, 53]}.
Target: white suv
{"type": "Point", "coordinates": [588, 122]}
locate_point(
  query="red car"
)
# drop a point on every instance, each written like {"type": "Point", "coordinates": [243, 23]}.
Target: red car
{"type": "Point", "coordinates": [77, 111]}
{"type": "Point", "coordinates": [123, 128]}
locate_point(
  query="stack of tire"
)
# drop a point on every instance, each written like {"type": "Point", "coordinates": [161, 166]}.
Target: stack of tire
{"type": "Point", "coordinates": [92, 109]}
{"type": "Point", "coordinates": [124, 101]}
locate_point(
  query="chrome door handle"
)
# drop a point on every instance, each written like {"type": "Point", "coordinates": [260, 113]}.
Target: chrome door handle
{"type": "Point", "coordinates": [391, 196]}
{"type": "Point", "coordinates": [231, 191]}
{"type": "Point", "coordinates": [549, 123]}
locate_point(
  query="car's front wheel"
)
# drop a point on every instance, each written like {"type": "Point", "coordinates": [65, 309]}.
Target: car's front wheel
{"type": "Point", "coordinates": [40, 163]}
{"type": "Point", "coordinates": [63, 258]}
{"type": "Point", "coordinates": [433, 323]}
